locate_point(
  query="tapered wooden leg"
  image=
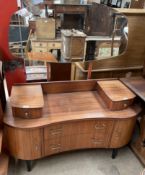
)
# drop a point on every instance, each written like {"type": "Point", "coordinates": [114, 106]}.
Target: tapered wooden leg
{"type": "Point", "coordinates": [29, 165]}
{"type": "Point", "coordinates": [114, 153]}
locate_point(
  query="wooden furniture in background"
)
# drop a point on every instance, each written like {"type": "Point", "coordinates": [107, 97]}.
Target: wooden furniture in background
{"type": "Point", "coordinates": [46, 45]}
{"type": "Point", "coordinates": [131, 61]}
{"type": "Point", "coordinates": [27, 101]}
{"type": "Point", "coordinates": [74, 117]}
{"type": "Point", "coordinates": [116, 95]}
{"type": "Point", "coordinates": [137, 4]}
{"type": "Point", "coordinates": [41, 56]}
{"type": "Point", "coordinates": [73, 44]}
{"type": "Point", "coordinates": [45, 28]}
{"type": "Point", "coordinates": [137, 85]}
{"type": "Point", "coordinates": [99, 20]}
{"type": "Point", "coordinates": [58, 71]}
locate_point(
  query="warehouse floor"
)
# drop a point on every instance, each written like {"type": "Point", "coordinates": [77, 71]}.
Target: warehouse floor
{"type": "Point", "coordinates": [85, 162]}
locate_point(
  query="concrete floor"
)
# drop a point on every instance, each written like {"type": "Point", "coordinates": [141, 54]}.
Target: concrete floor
{"type": "Point", "coordinates": [84, 162]}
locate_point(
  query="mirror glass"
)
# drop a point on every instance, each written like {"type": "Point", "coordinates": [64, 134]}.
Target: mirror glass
{"type": "Point", "coordinates": [66, 31]}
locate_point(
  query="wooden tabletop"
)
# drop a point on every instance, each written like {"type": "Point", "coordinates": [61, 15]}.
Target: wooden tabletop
{"type": "Point", "coordinates": [27, 96]}
{"type": "Point", "coordinates": [42, 56]}
{"type": "Point", "coordinates": [136, 84]}
{"type": "Point", "coordinates": [63, 107]}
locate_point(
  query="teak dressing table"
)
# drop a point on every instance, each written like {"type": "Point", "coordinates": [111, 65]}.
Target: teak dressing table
{"type": "Point", "coordinates": [75, 115]}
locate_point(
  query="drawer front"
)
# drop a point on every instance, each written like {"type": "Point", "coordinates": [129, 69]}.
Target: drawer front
{"type": "Point", "coordinates": [39, 49]}
{"type": "Point", "coordinates": [54, 45]}
{"type": "Point", "coordinates": [27, 112]}
{"type": "Point", "coordinates": [65, 129]}
{"type": "Point", "coordinates": [39, 44]}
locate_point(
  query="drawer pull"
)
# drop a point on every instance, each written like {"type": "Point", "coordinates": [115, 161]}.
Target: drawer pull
{"type": "Point", "coordinates": [56, 133]}
{"type": "Point", "coordinates": [125, 105]}
{"type": "Point", "coordinates": [97, 141]}
{"type": "Point", "coordinates": [26, 114]}
{"type": "Point", "coordinates": [97, 126]}
{"type": "Point", "coordinates": [56, 148]}
{"type": "Point", "coordinates": [36, 148]}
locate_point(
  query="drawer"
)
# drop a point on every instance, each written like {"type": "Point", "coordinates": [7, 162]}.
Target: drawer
{"type": "Point", "coordinates": [65, 129]}
{"type": "Point", "coordinates": [39, 49]}
{"type": "Point", "coordinates": [101, 125]}
{"type": "Point", "coordinates": [27, 112]}
{"type": "Point", "coordinates": [54, 45]}
{"type": "Point", "coordinates": [51, 148]}
{"type": "Point", "coordinates": [39, 44]}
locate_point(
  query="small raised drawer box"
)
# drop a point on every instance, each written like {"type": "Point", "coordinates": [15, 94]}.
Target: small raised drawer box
{"type": "Point", "coordinates": [27, 101]}
{"type": "Point", "coordinates": [115, 94]}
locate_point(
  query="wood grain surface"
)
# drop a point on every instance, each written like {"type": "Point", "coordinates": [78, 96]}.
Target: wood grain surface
{"type": "Point", "coordinates": [69, 107]}
{"type": "Point", "coordinates": [27, 96]}
{"type": "Point", "coordinates": [136, 84]}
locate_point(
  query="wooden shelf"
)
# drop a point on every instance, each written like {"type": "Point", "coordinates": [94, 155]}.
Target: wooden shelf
{"type": "Point", "coordinates": [4, 160]}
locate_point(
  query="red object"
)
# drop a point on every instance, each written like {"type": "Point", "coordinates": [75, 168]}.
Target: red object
{"type": "Point", "coordinates": [8, 7]}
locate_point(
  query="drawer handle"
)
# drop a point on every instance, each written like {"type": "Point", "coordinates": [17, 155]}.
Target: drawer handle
{"type": "Point", "coordinates": [26, 114]}
{"type": "Point", "coordinates": [125, 105]}
{"type": "Point", "coordinates": [56, 132]}
{"type": "Point", "coordinates": [36, 148]}
{"type": "Point", "coordinates": [53, 45]}
{"type": "Point", "coordinates": [97, 141]}
{"type": "Point", "coordinates": [55, 148]}
{"type": "Point", "coordinates": [100, 127]}
{"type": "Point", "coordinates": [40, 44]}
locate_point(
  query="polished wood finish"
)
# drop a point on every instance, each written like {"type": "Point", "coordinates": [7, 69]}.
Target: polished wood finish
{"type": "Point", "coordinates": [137, 85]}
{"type": "Point", "coordinates": [27, 101]}
{"type": "Point", "coordinates": [132, 57]}
{"type": "Point", "coordinates": [58, 71]}
{"type": "Point", "coordinates": [115, 94]}
{"type": "Point", "coordinates": [4, 160]}
{"type": "Point", "coordinates": [74, 117]}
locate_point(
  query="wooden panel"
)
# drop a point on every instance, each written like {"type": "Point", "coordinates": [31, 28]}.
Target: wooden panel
{"type": "Point", "coordinates": [136, 84]}
{"type": "Point", "coordinates": [45, 28]}
{"type": "Point", "coordinates": [4, 161]}
{"type": "Point", "coordinates": [108, 90]}
{"type": "Point", "coordinates": [39, 50]}
{"type": "Point", "coordinates": [59, 71]}
{"type": "Point", "coordinates": [27, 96]}
{"type": "Point", "coordinates": [39, 44]}
{"type": "Point", "coordinates": [65, 129]}
{"type": "Point", "coordinates": [72, 86]}
{"type": "Point", "coordinates": [99, 20]}
{"type": "Point", "coordinates": [54, 45]}
{"type": "Point", "coordinates": [24, 144]}
{"type": "Point", "coordinates": [139, 4]}
{"type": "Point", "coordinates": [122, 133]}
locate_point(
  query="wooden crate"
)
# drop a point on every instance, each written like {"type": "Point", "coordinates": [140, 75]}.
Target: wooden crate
{"type": "Point", "coordinates": [73, 44]}
{"type": "Point", "coordinates": [45, 28]}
